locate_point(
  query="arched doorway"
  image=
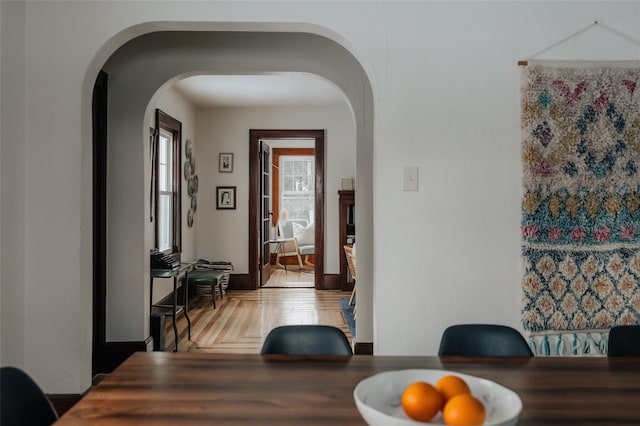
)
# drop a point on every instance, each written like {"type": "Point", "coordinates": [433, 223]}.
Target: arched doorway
{"type": "Point", "coordinates": [142, 66]}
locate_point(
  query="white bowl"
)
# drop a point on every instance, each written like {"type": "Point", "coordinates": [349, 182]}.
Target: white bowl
{"type": "Point", "coordinates": [378, 398]}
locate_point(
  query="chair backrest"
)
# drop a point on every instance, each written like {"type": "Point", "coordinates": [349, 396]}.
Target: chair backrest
{"type": "Point", "coordinates": [351, 260]}
{"type": "Point", "coordinates": [22, 402]}
{"type": "Point", "coordinates": [286, 228]}
{"type": "Point", "coordinates": [483, 340]}
{"type": "Point", "coordinates": [306, 340]}
{"type": "Point", "coordinates": [624, 340]}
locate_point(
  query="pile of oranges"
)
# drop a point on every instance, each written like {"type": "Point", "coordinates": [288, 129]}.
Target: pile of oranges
{"type": "Point", "coordinates": [451, 394]}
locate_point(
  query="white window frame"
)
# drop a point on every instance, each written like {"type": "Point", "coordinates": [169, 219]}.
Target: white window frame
{"type": "Point", "coordinates": [308, 193]}
{"type": "Point", "coordinates": [168, 232]}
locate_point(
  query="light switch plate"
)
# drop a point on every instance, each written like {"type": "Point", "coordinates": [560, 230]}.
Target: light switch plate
{"type": "Point", "coordinates": [410, 178]}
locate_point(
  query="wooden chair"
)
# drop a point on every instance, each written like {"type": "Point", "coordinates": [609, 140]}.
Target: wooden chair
{"type": "Point", "coordinates": [351, 262]}
{"type": "Point", "coordinates": [289, 244]}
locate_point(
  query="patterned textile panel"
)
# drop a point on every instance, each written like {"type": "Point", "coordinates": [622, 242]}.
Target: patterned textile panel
{"type": "Point", "coordinates": [581, 200]}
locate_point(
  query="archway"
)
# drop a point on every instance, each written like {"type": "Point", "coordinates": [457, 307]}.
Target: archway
{"type": "Point", "coordinates": [138, 69]}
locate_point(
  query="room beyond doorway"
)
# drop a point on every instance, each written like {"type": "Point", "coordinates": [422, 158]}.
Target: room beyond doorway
{"type": "Point", "coordinates": [256, 230]}
{"type": "Point", "coordinates": [293, 277]}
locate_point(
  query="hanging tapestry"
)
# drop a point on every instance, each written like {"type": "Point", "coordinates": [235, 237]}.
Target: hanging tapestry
{"type": "Point", "coordinates": [581, 204]}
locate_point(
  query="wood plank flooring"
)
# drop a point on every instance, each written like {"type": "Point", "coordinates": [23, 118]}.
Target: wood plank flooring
{"type": "Point", "coordinates": [293, 277]}
{"type": "Point", "coordinates": [242, 319]}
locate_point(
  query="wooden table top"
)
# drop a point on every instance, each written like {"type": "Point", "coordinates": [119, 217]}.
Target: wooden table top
{"type": "Point", "coordinates": [193, 388]}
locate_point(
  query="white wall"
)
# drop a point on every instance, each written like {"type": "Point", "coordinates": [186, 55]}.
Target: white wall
{"type": "Point", "coordinates": [128, 219]}
{"type": "Point", "coordinates": [173, 103]}
{"type": "Point", "coordinates": [12, 201]}
{"type": "Point", "coordinates": [223, 234]}
{"type": "Point", "coordinates": [446, 99]}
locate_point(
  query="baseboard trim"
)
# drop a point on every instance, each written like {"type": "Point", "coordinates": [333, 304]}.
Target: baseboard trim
{"type": "Point", "coordinates": [112, 354]}
{"type": "Point", "coordinates": [64, 401]}
{"type": "Point", "coordinates": [332, 282]}
{"type": "Point", "coordinates": [239, 282]}
{"type": "Point", "coordinates": [363, 348]}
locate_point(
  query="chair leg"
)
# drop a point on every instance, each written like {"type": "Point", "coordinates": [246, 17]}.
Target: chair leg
{"type": "Point", "coordinates": [353, 295]}
{"type": "Point", "coordinates": [299, 260]}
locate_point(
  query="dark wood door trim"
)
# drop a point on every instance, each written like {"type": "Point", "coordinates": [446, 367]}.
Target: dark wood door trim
{"type": "Point", "coordinates": [99, 149]}
{"type": "Point", "coordinates": [106, 356]}
{"type": "Point", "coordinates": [254, 194]}
{"type": "Point", "coordinates": [266, 222]}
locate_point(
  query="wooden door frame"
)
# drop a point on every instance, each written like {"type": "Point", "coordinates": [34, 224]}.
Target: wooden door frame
{"type": "Point", "coordinates": [265, 246]}
{"type": "Point", "coordinates": [99, 109]}
{"type": "Point", "coordinates": [255, 135]}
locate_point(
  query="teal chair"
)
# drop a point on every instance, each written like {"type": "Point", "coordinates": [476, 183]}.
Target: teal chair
{"type": "Point", "coordinates": [306, 340]}
{"type": "Point", "coordinates": [624, 340]}
{"type": "Point", "coordinates": [22, 402]}
{"type": "Point", "coordinates": [483, 340]}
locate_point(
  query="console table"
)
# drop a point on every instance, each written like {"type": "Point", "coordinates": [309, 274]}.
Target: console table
{"type": "Point", "coordinates": [160, 310]}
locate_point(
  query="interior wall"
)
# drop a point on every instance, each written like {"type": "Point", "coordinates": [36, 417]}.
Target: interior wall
{"type": "Point", "coordinates": [170, 101]}
{"type": "Point", "coordinates": [446, 89]}
{"type": "Point", "coordinates": [223, 234]}
{"type": "Point", "coordinates": [450, 252]}
{"type": "Point", "coordinates": [12, 184]}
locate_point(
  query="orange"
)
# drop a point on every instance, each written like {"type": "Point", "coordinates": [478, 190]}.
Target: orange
{"type": "Point", "coordinates": [450, 386]}
{"type": "Point", "coordinates": [463, 410]}
{"type": "Point", "coordinates": [421, 401]}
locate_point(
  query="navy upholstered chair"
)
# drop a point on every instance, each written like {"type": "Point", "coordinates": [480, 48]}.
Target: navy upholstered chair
{"type": "Point", "coordinates": [483, 340]}
{"type": "Point", "coordinates": [624, 340]}
{"type": "Point", "coordinates": [22, 402]}
{"type": "Point", "coordinates": [306, 340]}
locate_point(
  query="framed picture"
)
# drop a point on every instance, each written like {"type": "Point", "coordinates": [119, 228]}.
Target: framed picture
{"type": "Point", "coordinates": [226, 197]}
{"type": "Point", "coordinates": [225, 162]}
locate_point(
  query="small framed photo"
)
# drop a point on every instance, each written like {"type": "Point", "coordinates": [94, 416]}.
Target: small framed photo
{"type": "Point", "coordinates": [225, 164]}
{"type": "Point", "coordinates": [225, 197]}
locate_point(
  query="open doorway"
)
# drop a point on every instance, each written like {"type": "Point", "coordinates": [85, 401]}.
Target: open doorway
{"type": "Point", "coordinates": [290, 209]}
{"type": "Point", "coordinates": [260, 210]}
{"type": "Point", "coordinates": [218, 51]}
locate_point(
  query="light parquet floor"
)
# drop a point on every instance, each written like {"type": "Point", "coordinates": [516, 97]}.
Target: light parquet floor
{"type": "Point", "coordinates": [242, 319]}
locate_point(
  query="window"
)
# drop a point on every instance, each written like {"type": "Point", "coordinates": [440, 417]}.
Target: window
{"type": "Point", "coordinates": [167, 183]}
{"type": "Point", "coordinates": [297, 186]}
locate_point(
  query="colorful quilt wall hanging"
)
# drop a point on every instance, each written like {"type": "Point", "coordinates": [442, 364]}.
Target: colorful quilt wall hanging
{"type": "Point", "coordinates": [581, 204]}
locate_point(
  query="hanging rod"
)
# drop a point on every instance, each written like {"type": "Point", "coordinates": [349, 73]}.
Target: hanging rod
{"type": "Point", "coordinates": [525, 62]}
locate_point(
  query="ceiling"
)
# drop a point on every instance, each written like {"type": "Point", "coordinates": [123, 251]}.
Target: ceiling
{"type": "Point", "coordinates": [288, 89]}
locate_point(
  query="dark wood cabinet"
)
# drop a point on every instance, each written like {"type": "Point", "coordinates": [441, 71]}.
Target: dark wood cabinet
{"type": "Point", "coordinates": [347, 235]}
